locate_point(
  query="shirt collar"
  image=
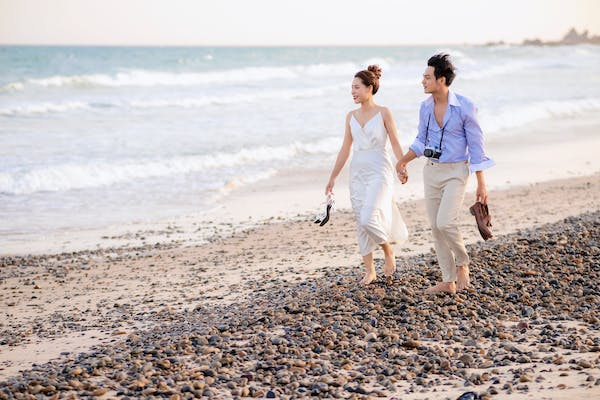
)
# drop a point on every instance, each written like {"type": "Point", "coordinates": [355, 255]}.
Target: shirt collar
{"type": "Point", "coordinates": [452, 99]}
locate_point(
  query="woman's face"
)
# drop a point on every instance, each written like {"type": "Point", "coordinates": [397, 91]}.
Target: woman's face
{"type": "Point", "coordinates": [360, 92]}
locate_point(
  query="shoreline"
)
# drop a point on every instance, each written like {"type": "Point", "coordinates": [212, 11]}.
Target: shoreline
{"type": "Point", "coordinates": [293, 196]}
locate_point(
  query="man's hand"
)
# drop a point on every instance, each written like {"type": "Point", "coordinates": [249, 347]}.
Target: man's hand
{"type": "Point", "coordinates": [481, 194]}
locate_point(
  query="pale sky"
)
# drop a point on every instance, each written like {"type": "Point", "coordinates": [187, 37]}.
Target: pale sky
{"type": "Point", "coordinates": [282, 22]}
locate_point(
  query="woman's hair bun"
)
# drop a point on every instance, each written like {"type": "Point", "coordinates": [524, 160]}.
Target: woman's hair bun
{"type": "Point", "coordinates": [375, 69]}
{"type": "Point", "coordinates": [370, 77]}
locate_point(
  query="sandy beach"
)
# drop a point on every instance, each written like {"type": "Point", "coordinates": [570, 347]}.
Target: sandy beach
{"type": "Point", "coordinates": [275, 310]}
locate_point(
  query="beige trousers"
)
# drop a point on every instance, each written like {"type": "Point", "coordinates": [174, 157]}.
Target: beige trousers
{"type": "Point", "coordinates": [445, 185]}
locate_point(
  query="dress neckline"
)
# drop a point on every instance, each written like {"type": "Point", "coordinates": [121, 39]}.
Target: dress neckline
{"type": "Point", "coordinates": [366, 123]}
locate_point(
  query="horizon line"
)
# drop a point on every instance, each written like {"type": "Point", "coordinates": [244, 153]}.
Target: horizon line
{"type": "Point", "coordinates": [579, 30]}
{"type": "Point", "coordinates": [496, 43]}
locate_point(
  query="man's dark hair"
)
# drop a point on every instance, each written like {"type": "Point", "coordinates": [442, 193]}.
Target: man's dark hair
{"type": "Point", "coordinates": [442, 67]}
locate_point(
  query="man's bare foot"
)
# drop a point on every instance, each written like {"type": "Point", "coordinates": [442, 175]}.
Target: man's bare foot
{"type": "Point", "coordinates": [462, 277]}
{"type": "Point", "coordinates": [443, 287]}
{"type": "Point", "coordinates": [369, 277]}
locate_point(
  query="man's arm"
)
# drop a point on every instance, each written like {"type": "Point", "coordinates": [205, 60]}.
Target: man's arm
{"type": "Point", "coordinates": [478, 160]}
{"type": "Point", "coordinates": [481, 194]}
{"type": "Point", "coordinates": [415, 150]}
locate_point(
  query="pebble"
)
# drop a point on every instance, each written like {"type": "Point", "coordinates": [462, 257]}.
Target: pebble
{"type": "Point", "coordinates": [411, 344]}
{"type": "Point", "coordinates": [584, 364]}
{"type": "Point", "coordinates": [99, 392]}
{"type": "Point", "coordinates": [371, 337]}
{"type": "Point", "coordinates": [523, 325]}
{"type": "Point", "coordinates": [466, 359]}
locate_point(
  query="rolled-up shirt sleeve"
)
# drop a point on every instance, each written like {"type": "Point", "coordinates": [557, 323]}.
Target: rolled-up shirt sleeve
{"type": "Point", "coordinates": [478, 160]}
{"type": "Point", "coordinates": [418, 146]}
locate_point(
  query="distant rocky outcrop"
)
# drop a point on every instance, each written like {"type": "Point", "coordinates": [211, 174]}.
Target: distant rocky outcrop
{"type": "Point", "coordinates": [498, 43]}
{"type": "Point", "coordinates": [571, 38]}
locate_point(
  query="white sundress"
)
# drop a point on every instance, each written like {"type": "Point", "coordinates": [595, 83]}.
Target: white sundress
{"type": "Point", "coordinates": [372, 187]}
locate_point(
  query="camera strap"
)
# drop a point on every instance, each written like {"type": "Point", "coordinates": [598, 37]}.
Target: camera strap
{"type": "Point", "coordinates": [443, 129]}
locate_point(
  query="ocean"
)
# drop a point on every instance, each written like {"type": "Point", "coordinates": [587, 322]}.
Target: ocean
{"type": "Point", "coordinates": [98, 136]}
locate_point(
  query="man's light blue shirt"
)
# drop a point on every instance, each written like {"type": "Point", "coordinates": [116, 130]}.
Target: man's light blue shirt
{"type": "Point", "coordinates": [463, 138]}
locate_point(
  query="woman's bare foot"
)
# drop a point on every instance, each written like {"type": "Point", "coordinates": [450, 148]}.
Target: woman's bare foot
{"type": "Point", "coordinates": [369, 277]}
{"type": "Point", "coordinates": [462, 277]}
{"type": "Point", "coordinates": [370, 274]}
{"type": "Point", "coordinates": [390, 264]}
{"type": "Point", "coordinates": [443, 287]}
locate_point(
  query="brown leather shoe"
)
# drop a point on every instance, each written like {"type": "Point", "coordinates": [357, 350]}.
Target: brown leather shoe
{"type": "Point", "coordinates": [483, 218]}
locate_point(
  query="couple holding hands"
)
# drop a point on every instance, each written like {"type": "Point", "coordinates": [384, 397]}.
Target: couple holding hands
{"type": "Point", "coordinates": [451, 139]}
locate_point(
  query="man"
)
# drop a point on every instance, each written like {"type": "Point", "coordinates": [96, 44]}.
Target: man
{"type": "Point", "coordinates": [451, 139]}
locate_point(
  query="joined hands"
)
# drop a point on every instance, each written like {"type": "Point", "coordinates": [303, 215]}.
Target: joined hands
{"type": "Point", "coordinates": [402, 172]}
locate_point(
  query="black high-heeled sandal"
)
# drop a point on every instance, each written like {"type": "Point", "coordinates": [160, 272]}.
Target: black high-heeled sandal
{"type": "Point", "coordinates": [322, 219]}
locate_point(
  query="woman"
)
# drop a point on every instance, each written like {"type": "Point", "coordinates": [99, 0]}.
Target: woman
{"type": "Point", "coordinates": [371, 174]}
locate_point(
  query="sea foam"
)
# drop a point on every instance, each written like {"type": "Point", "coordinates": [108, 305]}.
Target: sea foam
{"type": "Point", "coordinates": [69, 176]}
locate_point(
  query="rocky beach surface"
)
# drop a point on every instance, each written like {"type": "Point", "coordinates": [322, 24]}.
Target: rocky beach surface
{"type": "Point", "coordinates": [276, 312]}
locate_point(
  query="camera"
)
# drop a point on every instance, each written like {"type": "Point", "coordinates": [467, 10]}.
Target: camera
{"type": "Point", "coordinates": [430, 152]}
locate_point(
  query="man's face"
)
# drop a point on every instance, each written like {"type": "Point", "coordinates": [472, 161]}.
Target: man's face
{"type": "Point", "coordinates": [430, 84]}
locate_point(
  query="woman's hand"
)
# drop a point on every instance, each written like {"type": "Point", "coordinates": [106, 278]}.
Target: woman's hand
{"type": "Point", "coordinates": [329, 187]}
{"type": "Point", "coordinates": [403, 177]}
{"type": "Point", "coordinates": [401, 172]}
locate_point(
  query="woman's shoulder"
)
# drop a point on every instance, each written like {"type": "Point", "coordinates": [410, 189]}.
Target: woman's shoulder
{"type": "Point", "coordinates": [385, 111]}
{"type": "Point", "coordinates": [352, 113]}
